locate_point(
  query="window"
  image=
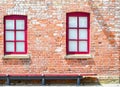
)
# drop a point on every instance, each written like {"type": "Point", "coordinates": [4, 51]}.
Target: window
{"type": "Point", "coordinates": [15, 34]}
{"type": "Point", "coordinates": [78, 27]}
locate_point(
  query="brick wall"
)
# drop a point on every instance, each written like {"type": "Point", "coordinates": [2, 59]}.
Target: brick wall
{"type": "Point", "coordinates": [47, 36]}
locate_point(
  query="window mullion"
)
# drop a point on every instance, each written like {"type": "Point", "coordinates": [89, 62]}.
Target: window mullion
{"type": "Point", "coordinates": [15, 36]}
{"type": "Point", "coordinates": [77, 34]}
{"type": "Point", "coordinates": [88, 39]}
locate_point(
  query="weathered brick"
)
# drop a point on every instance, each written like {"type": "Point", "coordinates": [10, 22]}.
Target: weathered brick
{"type": "Point", "coordinates": [47, 36]}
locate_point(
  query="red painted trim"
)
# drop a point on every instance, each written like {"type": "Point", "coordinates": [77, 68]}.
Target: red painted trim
{"type": "Point", "coordinates": [61, 74]}
{"type": "Point", "coordinates": [35, 74]}
{"type": "Point", "coordinates": [18, 75]}
{"type": "Point", "coordinates": [2, 74]}
{"type": "Point", "coordinates": [69, 74]}
{"type": "Point", "coordinates": [25, 74]}
{"type": "Point", "coordinates": [52, 74]}
{"type": "Point", "coordinates": [87, 74]}
{"type": "Point", "coordinates": [77, 14]}
{"type": "Point", "coordinates": [15, 17]}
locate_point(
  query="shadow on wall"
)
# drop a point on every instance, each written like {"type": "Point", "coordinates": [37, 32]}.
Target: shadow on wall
{"type": "Point", "coordinates": [90, 81]}
{"type": "Point", "coordinates": [104, 26]}
{"type": "Point", "coordinates": [119, 79]}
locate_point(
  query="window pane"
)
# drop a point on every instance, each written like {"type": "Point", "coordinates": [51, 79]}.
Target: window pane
{"type": "Point", "coordinates": [9, 46]}
{"type": "Point", "coordinates": [83, 22]}
{"type": "Point", "coordinates": [83, 34]}
{"type": "Point", "coordinates": [9, 35]}
{"type": "Point", "coordinates": [19, 24]}
{"type": "Point", "coordinates": [20, 47]}
{"type": "Point", "coordinates": [72, 34]}
{"type": "Point", "coordinates": [72, 21]}
{"type": "Point", "coordinates": [20, 35]}
{"type": "Point", "coordinates": [73, 46]}
{"type": "Point", "coordinates": [9, 24]}
{"type": "Point", "coordinates": [83, 46]}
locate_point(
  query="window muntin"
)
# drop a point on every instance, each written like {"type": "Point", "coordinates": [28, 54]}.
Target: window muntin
{"type": "Point", "coordinates": [77, 33]}
{"type": "Point", "coordinates": [15, 34]}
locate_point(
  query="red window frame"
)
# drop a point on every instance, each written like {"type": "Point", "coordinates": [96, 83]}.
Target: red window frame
{"type": "Point", "coordinates": [77, 14]}
{"type": "Point", "coordinates": [15, 17]}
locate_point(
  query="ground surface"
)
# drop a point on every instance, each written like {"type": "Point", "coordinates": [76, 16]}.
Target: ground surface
{"type": "Point", "coordinates": [103, 85]}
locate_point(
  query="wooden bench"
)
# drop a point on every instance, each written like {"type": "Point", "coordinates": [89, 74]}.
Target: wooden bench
{"type": "Point", "coordinates": [78, 77]}
{"type": "Point", "coordinates": [2, 76]}
{"type": "Point", "coordinates": [44, 77]}
{"type": "Point", "coordinates": [23, 77]}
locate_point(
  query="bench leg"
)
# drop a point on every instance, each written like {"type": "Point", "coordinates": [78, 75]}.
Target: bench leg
{"type": "Point", "coordinates": [43, 81]}
{"type": "Point", "coordinates": [7, 80]}
{"type": "Point", "coordinates": [78, 80]}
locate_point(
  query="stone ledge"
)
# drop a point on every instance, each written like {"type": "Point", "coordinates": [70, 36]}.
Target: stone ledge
{"type": "Point", "coordinates": [26, 56]}
{"type": "Point", "coordinates": [79, 56]}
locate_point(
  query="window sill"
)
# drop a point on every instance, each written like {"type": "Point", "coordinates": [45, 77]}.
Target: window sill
{"type": "Point", "coordinates": [26, 56]}
{"type": "Point", "coordinates": [79, 56]}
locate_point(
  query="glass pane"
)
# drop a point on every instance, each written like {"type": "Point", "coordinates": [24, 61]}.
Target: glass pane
{"type": "Point", "coordinates": [83, 22]}
{"type": "Point", "coordinates": [20, 35]}
{"type": "Point", "coordinates": [9, 35]}
{"type": "Point", "coordinates": [83, 46]}
{"type": "Point", "coordinates": [83, 34]}
{"type": "Point", "coordinates": [72, 21]}
{"type": "Point", "coordinates": [73, 46]}
{"type": "Point", "coordinates": [72, 34]}
{"type": "Point", "coordinates": [9, 46]}
{"type": "Point", "coordinates": [9, 24]}
{"type": "Point", "coordinates": [19, 24]}
{"type": "Point", "coordinates": [20, 47]}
